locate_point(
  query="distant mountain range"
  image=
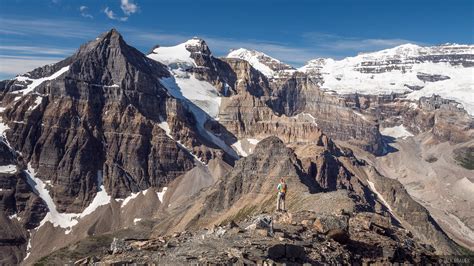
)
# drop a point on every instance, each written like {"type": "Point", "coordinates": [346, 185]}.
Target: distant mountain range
{"type": "Point", "coordinates": [115, 156]}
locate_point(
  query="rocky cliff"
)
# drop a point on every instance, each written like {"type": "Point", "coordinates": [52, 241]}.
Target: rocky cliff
{"type": "Point", "coordinates": [184, 140]}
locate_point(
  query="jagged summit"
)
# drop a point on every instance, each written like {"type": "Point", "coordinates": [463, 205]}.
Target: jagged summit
{"type": "Point", "coordinates": [418, 71]}
{"type": "Point", "coordinates": [266, 64]}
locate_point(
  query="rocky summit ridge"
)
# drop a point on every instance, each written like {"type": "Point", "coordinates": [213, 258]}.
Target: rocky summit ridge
{"type": "Point", "coordinates": [112, 155]}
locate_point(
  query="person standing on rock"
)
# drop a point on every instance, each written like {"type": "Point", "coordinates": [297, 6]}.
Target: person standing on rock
{"type": "Point", "coordinates": [282, 187]}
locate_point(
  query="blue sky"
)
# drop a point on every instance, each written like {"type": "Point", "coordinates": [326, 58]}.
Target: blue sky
{"type": "Point", "coordinates": [38, 32]}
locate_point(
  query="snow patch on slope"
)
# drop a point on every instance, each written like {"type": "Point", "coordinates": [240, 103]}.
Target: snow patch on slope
{"type": "Point", "coordinates": [8, 169]}
{"type": "Point", "coordinates": [165, 126]}
{"type": "Point", "coordinates": [238, 147]}
{"type": "Point", "coordinates": [254, 58]}
{"type": "Point", "coordinates": [175, 57]}
{"type": "Point", "coordinates": [203, 104]}
{"type": "Point", "coordinates": [344, 76]}
{"type": "Point", "coordinates": [396, 132]}
{"type": "Point", "coordinates": [101, 198]}
{"type": "Point", "coordinates": [36, 82]}
{"type": "Point", "coordinates": [185, 86]}
{"type": "Point", "coordinates": [379, 196]}
{"type": "Point", "coordinates": [161, 194]}
{"type": "Point", "coordinates": [64, 220]}
{"type": "Point", "coordinates": [36, 103]}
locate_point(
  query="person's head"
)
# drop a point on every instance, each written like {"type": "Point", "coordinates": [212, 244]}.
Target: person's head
{"type": "Point", "coordinates": [282, 180]}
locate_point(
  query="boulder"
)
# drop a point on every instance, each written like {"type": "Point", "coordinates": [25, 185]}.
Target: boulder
{"type": "Point", "coordinates": [325, 223]}
{"type": "Point", "coordinates": [263, 221]}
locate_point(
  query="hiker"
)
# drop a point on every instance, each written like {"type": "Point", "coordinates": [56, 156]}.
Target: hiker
{"type": "Point", "coordinates": [282, 186]}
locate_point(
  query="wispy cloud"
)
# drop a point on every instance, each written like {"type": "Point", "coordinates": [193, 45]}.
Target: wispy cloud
{"type": "Point", "coordinates": [15, 65]}
{"type": "Point", "coordinates": [338, 43]}
{"type": "Point", "coordinates": [47, 27]}
{"type": "Point", "coordinates": [85, 12]}
{"type": "Point", "coordinates": [308, 46]}
{"type": "Point", "coordinates": [221, 46]}
{"type": "Point", "coordinates": [111, 15]}
{"type": "Point", "coordinates": [128, 7]}
{"type": "Point", "coordinates": [38, 50]}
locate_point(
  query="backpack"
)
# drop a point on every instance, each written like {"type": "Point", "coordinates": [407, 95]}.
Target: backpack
{"type": "Point", "coordinates": [283, 187]}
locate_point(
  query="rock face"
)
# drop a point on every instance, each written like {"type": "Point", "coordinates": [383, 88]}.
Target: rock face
{"type": "Point", "coordinates": [101, 116]}
{"type": "Point", "coordinates": [110, 122]}
{"type": "Point", "coordinates": [444, 118]}
{"type": "Point", "coordinates": [311, 171]}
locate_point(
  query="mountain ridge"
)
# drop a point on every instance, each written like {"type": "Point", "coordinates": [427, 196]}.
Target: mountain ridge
{"type": "Point", "coordinates": [191, 123]}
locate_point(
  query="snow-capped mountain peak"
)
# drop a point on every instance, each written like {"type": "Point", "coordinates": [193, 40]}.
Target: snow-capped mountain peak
{"type": "Point", "coordinates": [417, 71]}
{"type": "Point", "coordinates": [264, 63]}
{"type": "Point", "coordinates": [179, 56]}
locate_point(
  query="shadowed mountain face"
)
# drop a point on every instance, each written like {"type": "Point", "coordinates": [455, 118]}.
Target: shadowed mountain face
{"type": "Point", "coordinates": [100, 117]}
{"type": "Point", "coordinates": [109, 123]}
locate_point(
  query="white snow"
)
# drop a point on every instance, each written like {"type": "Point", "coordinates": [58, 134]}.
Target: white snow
{"type": "Point", "coordinates": [379, 196]}
{"type": "Point", "coordinates": [127, 199]}
{"type": "Point", "coordinates": [253, 141]}
{"type": "Point", "coordinates": [343, 77]}
{"type": "Point", "coordinates": [64, 220]}
{"type": "Point", "coordinates": [238, 147]}
{"type": "Point", "coordinates": [206, 100]}
{"type": "Point", "coordinates": [136, 220]}
{"type": "Point", "coordinates": [101, 198]}
{"type": "Point", "coordinates": [309, 116]}
{"type": "Point", "coordinates": [396, 132]}
{"type": "Point", "coordinates": [3, 127]}
{"type": "Point", "coordinates": [161, 194]}
{"type": "Point", "coordinates": [202, 99]}
{"type": "Point", "coordinates": [175, 57]}
{"type": "Point", "coordinates": [36, 103]}
{"type": "Point", "coordinates": [28, 248]}
{"type": "Point", "coordinates": [201, 93]}
{"type": "Point", "coordinates": [112, 86]}
{"type": "Point", "coordinates": [36, 82]}
{"type": "Point", "coordinates": [254, 58]}
{"type": "Point", "coordinates": [8, 169]}
{"type": "Point", "coordinates": [165, 126]}
{"type": "Point", "coordinates": [240, 150]}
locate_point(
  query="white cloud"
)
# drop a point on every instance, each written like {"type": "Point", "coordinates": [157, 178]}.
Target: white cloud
{"type": "Point", "coordinates": [338, 43]}
{"type": "Point", "coordinates": [111, 15]}
{"type": "Point", "coordinates": [128, 7]}
{"type": "Point", "coordinates": [15, 65]}
{"type": "Point", "coordinates": [85, 12]}
{"type": "Point", "coordinates": [47, 27]}
{"type": "Point", "coordinates": [17, 49]}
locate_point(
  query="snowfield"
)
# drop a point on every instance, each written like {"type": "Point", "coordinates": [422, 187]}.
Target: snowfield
{"type": "Point", "coordinates": [254, 58]}
{"type": "Point", "coordinates": [260, 62]}
{"type": "Point", "coordinates": [201, 97]}
{"type": "Point", "coordinates": [396, 132]}
{"type": "Point", "coordinates": [8, 169]}
{"type": "Point", "coordinates": [343, 76]}
{"type": "Point", "coordinates": [64, 220]}
{"type": "Point", "coordinates": [36, 82]}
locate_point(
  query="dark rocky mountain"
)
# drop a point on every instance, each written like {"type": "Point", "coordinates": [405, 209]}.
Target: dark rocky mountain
{"type": "Point", "coordinates": [150, 145]}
